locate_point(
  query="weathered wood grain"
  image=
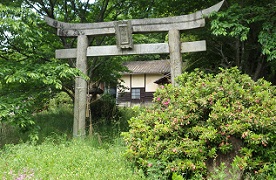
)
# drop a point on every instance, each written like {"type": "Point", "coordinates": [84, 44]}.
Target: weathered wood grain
{"type": "Point", "coordinates": [80, 88]}
{"type": "Point", "coordinates": [175, 54]}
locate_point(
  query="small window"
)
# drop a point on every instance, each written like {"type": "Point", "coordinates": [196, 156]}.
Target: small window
{"type": "Point", "coordinates": [135, 93]}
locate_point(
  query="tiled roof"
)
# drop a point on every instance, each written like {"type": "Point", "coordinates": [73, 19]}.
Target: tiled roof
{"type": "Point", "coordinates": [148, 67]}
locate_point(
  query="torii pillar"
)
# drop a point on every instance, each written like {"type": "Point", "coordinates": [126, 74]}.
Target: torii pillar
{"type": "Point", "coordinates": [175, 54]}
{"type": "Point", "coordinates": [80, 88]}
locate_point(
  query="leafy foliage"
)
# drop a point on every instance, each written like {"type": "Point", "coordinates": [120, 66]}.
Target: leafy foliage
{"type": "Point", "coordinates": [195, 121]}
{"type": "Point", "coordinates": [29, 75]}
{"type": "Point", "coordinates": [250, 24]}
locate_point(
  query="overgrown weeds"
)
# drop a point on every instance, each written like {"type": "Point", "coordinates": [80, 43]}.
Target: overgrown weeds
{"type": "Point", "coordinates": [57, 156]}
{"type": "Point", "coordinates": [63, 159]}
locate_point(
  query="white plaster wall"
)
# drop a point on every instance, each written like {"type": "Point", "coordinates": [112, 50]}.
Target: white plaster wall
{"type": "Point", "coordinates": [150, 85]}
{"type": "Point", "coordinates": [138, 80]}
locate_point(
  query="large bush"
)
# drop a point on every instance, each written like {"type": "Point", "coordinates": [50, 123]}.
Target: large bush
{"type": "Point", "coordinates": [205, 117]}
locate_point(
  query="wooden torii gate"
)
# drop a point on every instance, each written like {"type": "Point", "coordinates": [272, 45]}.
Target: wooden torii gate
{"type": "Point", "coordinates": [123, 31]}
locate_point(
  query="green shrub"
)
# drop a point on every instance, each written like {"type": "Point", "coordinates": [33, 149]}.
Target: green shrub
{"type": "Point", "coordinates": [124, 114]}
{"type": "Point", "coordinates": [198, 120]}
{"type": "Point", "coordinates": [110, 120]}
{"type": "Point", "coordinates": [104, 109]}
{"type": "Point", "coordinates": [60, 100]}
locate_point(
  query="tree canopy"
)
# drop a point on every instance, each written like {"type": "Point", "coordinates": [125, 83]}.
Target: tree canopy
{"type": "Point", "coordinates": [250, 26]}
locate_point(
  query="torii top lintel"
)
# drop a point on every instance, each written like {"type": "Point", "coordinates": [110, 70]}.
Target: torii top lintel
{"type": "Point", "coordinates": [183, 22]}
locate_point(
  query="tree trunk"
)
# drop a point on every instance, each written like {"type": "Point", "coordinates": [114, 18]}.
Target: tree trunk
{"type": "Point", "coordinates": [238, 53]}
{"type": "Point", "coordinates": [259, 69]}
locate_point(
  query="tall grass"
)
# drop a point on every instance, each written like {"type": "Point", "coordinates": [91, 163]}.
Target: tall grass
{"type": "Point", "coordinates": [8, 134]}
{"type": "Point", "coordinates": [63, 159]}
{"type": "Point", "coordinates": [55, 122]}
{"type": "Point", "coordinates": [58, 156]}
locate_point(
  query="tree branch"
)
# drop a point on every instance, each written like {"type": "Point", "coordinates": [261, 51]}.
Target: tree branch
{"type": "Point", "coordinates": [68, 91]}
{"type": "Point", "coordinates": [102, 12]}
